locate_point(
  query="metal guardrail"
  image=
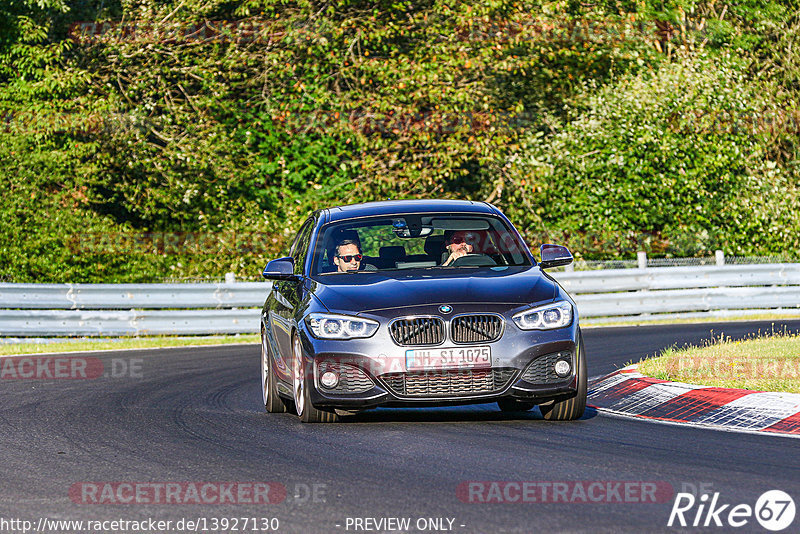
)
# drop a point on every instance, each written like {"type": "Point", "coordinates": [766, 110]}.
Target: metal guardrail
{"type": "Point", "coordinates": [122, 296]}
{"type": "Point", "coordinates": [42, 323]}
{"type": "Point", "coordinates": [232, 308]}
{"type": "Point", "coordinates": [130, 309]}
{"type": "Point", "coordinates": [610, 280]}
{"type": "Point", "coordinates": [712, 291]}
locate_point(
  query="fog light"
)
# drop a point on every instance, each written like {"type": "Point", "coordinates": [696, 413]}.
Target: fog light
{"type": "Point", "coordinates": [562, 367]}
{"type": "Point", "coordinates": [329, 379]}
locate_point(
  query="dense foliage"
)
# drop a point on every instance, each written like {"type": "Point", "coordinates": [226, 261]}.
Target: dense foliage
{"type": "Point", "coordinates": [189, 139]}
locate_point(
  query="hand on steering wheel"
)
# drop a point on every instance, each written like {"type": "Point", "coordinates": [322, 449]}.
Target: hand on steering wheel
{"type": "Point", "coordinates": [457, 251]}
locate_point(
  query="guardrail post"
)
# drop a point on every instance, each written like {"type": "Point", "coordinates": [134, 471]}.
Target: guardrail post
{"type": "Point", "coordinates": [720, 256]}
{"type": "Point", "coordinates": [642, 258]}
{"type": "Point", "coordinates": [230, 278]}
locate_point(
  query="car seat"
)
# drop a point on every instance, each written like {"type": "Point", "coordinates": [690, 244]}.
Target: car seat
{"type": "Point", "coordinates": [434, 248]}
{"type": "Point", "coordinates": [389, 256]}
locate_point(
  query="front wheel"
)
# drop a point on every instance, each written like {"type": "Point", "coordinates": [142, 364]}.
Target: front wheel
{"type": "Point", "coordinates": [301, 380]}
{"type": "Point", "coordinates": [269, 390]}
{"type": "Point", "coordinates": [572, 408]}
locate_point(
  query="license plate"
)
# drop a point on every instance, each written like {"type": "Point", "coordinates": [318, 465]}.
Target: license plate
{"type": "Point", "coordinates": [449, 358]}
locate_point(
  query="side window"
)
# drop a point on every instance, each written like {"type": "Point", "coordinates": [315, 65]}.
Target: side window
{"type": "Point", "coordinates": [299, 249]}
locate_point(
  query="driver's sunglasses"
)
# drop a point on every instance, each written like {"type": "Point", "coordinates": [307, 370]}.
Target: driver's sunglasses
{"type": "Point", "coordinates": [457, 240]}
{"type": "Point", "coordinates": [348, 258]}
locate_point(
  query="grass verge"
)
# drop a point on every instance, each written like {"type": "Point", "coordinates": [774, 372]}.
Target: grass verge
{"type": "Point", "coordinates": [85, 344]}
{"type": "Point", "coordinates": [765, 362]}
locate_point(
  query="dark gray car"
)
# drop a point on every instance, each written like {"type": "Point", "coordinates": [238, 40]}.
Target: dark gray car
{"type": "Point", "coordinates": [418, 303]}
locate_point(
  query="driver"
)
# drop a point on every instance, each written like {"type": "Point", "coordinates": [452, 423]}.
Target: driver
{"type": "Point", "coordinates": [458, 245]}
{"type": "Point", "coordinates": [348, 256]}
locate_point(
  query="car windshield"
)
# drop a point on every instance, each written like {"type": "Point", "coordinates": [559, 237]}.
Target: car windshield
{"type": "Point", "coordinates": [418, 241]}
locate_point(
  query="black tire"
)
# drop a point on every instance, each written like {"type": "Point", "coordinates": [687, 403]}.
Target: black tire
{"type": "Point", "coordinates": [514, 405]}
{"type": "Point", "coordinates": [572, 408]}
{"type": "Point", "coordinates": [302, 379]}
{"type": "Point", "coordinates": [273, 403]}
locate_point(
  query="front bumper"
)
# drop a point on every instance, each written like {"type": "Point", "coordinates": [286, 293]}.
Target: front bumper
{"type": "Point", "coordinates": [374, 371]}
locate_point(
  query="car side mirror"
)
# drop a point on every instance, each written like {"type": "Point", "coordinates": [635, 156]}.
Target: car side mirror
{"type": "Point", "coordinates": [280, 269]}
{"type": "Point", "coordinates": [554, 256]}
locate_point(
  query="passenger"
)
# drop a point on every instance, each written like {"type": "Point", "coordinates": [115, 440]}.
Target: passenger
{"type": "Point", "coordinates": [458, 245]}
{"type": "Point", "coordinates": [348, 256]}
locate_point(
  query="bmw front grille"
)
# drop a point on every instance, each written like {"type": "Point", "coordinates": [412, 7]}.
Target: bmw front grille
{"type": "Point", "coordinates": [469, 328]}
{"type": "Point", "coordinates": [476, 328]}
{"type": "Point", "coordinates": [417, 331]}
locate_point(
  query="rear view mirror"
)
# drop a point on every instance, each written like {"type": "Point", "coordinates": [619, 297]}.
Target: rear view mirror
{"type": "Point", "coordinates": [280, 269]}
{"type": "Point", "coordinates": [409, 232]}
{"type": "Point", "coordinates": [554, 256]}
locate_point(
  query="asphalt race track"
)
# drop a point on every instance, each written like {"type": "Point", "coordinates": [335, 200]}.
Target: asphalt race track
{"type": "Point", "coordinates": [195, 415]}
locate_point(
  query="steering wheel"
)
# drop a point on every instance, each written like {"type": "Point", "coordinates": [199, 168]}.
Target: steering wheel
{"type": "Point", "coordinates": [474, 260]}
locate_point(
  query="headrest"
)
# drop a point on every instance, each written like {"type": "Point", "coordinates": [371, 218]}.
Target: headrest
{"type": "Point", "coordinates": [392, 252]}
{"type": "Point", "coordinates": [341, 235]}
{"type": "Point", "coordinates": [434, 244]}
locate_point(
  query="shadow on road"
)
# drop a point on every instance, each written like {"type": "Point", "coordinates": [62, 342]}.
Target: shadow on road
{"type": "Point", "coordinates": [451, 414]}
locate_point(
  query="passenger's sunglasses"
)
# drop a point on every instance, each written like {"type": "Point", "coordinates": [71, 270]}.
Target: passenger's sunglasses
{"type": "Point", "coordinates": [348, 258]}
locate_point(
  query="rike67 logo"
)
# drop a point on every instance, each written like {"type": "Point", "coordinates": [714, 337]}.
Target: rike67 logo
{"type": "Point", "coordinates": [774, 510]}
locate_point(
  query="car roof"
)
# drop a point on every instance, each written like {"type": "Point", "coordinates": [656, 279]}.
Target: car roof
{"type": "Point", "coordinates": [401, 207]}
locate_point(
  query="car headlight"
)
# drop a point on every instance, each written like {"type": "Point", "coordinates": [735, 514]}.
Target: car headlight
{"type": "Point", "coordinates": [556, 315]}
{"type": "Point", "coordinates": [330, 326]}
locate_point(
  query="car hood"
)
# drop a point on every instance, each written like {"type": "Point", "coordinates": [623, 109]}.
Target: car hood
{"type": "Point", "coordinates": [374, 291]}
